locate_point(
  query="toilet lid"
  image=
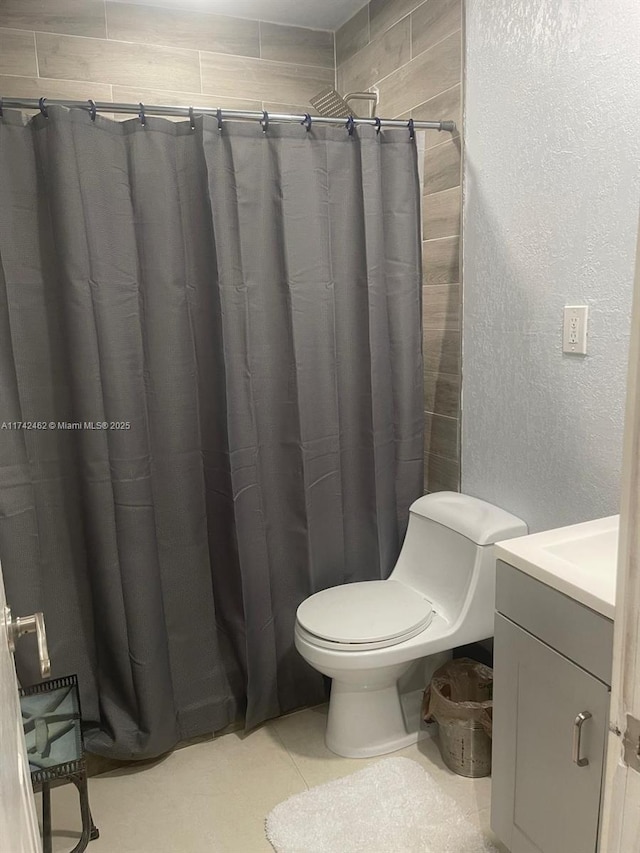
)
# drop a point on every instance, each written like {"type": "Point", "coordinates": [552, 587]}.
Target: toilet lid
{"type": "Point", "coordinates": [368, 612]}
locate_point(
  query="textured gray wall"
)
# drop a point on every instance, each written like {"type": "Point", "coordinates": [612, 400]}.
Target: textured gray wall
{"type": "Point", "coordinates": [552, 149]}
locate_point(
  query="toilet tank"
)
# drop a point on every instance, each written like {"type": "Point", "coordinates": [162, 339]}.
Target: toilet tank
{"type": "Point", "coordinates": [447, 554]}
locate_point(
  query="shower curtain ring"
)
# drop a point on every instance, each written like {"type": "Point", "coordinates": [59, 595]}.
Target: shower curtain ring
{"type": "Point", "coordinates": [92, 109]}
{"type": "Point", "coordinates": [192, 118]}
{"type": "Point", "coordinates": [378, 124]}
{"type": "Point", "coordinates": [219, 117]}
{"type": "Point", "coordinates": [350, 125]}
{"type": "Point", "coordinates": [412, 130]}
{"type": "Point", "coordinates": [43, 109]}
{"type": "Point", "coordinates": [141, 115]}
{"type": "Point", "coordinates": [265, 121]}
{"type": "Point", "coordinates": [306, 121]}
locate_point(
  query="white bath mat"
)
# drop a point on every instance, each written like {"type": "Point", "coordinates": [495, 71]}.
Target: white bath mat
{"type": "Point", "coordinates": [393, 806]}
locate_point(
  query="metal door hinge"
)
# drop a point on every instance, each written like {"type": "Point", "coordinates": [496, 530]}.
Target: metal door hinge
{"type": "Point", "coordinates": [631, 743]}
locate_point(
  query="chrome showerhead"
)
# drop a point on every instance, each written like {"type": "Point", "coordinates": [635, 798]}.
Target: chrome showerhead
{"type": "Point", "coordinates": [331, 104]}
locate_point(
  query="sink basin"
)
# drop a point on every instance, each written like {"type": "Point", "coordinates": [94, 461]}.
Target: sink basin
{"type": "Point", "coordinates": [588, 553]}
{"type": "Point", "coordinates": [579, 560]}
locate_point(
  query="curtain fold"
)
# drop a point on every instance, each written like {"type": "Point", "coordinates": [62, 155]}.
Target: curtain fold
{"type": "Point", "coordinates": [243, 310]}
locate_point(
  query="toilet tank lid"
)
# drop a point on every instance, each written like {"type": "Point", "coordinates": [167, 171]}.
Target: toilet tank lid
{"type": "Point", "coordinates": [477, 520]}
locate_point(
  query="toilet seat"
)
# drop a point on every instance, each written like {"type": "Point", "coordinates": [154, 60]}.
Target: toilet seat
{"type": "Point", "coordinates": [362, 616]}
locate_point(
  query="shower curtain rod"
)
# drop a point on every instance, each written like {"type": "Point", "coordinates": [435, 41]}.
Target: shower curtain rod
{"type": "Point", "coordinates": [92, 107]}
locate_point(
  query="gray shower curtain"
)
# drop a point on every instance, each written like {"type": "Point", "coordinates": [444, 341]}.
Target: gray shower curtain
{"type": "Point", "coordinates": [210, 400]}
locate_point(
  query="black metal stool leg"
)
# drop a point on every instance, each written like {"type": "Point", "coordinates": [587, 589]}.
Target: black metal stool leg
{"type": "Point", "coordinates": [47, 844]}
{"type": "Point", "coordinates": [95, 832]}
{"type": "Point", "coordinates": [89, 829]}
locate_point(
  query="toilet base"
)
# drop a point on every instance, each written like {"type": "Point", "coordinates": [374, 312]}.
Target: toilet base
{"type": "Point", "coordinates": [365, 722]}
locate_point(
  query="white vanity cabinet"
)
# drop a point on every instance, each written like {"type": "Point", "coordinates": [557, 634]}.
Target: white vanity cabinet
{"type": "Point", "coordinates": [552, 671]}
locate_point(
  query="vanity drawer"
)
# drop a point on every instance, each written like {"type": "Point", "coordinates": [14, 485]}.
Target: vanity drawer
{"type": "Point", "coordinates": [569, 627]}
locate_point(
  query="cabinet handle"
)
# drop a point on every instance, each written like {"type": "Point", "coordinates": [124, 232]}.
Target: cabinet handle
{"type": "Point", "coordinates": [582, 717]}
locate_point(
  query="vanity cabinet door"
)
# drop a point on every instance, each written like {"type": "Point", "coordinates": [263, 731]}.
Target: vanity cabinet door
{"type": "Point", "coordinates": [543, 800]}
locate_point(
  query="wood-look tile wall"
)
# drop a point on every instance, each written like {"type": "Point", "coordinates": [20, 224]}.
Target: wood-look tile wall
{"type": "Point", "coordinates": [410, 51]}
{"type": "Point", "coordinates": [80, 49]}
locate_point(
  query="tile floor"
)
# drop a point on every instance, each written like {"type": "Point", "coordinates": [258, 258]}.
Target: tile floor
{"type": "Point", "coordinates": [213, 796]}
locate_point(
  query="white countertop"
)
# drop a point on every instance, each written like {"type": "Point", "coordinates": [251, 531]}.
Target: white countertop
{"type": "Point", "coordinates": [579, 560]}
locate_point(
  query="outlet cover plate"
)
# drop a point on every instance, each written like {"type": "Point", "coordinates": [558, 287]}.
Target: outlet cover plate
{"type": "Point", "coordinates": [574, 330]}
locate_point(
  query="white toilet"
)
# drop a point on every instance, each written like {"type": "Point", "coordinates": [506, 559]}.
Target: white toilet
{"type": "Point", "coordinates": [366, 636]}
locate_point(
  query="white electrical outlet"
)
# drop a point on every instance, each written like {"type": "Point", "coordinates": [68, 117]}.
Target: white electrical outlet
{"type": "Point", "coordinates": [574, 334]}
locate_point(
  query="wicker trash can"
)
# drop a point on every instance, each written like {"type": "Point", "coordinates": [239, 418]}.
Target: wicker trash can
{"type": "Point", "coordinates": [459, 698]}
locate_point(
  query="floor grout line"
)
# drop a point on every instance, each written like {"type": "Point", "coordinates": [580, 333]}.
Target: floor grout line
{"type": "Point", "coordinates": [277, 735]}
